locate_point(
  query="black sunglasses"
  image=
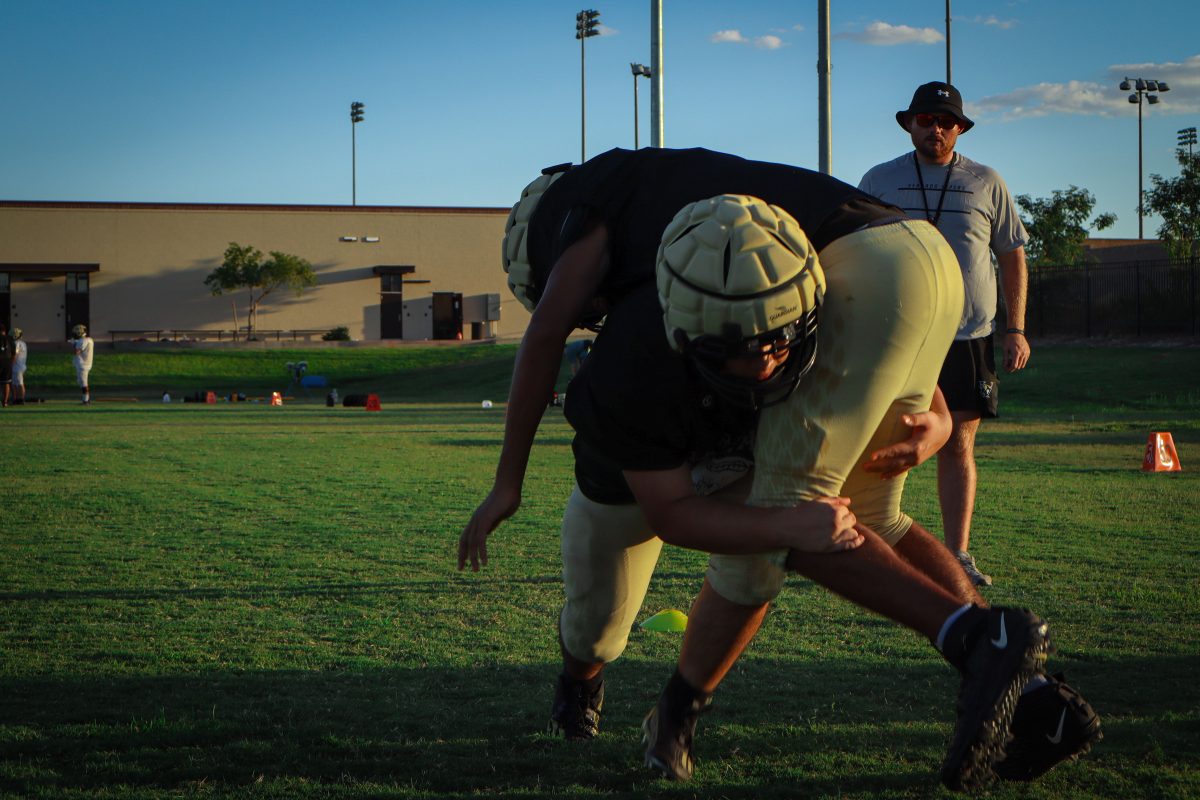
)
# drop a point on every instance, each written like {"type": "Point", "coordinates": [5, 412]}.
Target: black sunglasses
{"type": "Point", "coordinates": [944, 121]}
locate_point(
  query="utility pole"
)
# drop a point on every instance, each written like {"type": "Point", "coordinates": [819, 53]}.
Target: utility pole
{"type": "Point", "coordinates": [656, 74]}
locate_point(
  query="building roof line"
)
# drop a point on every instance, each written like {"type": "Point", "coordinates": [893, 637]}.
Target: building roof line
{"type": "Point", "coordinates": [107, 206]}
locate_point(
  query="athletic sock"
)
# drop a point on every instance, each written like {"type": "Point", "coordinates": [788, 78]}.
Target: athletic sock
{"type": "Point", "coordinates": [950, 620]}
{"type": "Point", "coordinates": [682, 695]}
{"type": "Point", "coordinates": [960, 633]}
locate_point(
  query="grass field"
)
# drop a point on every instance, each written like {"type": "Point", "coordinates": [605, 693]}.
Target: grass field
{"type": "Point", "coordinates": [245, 601]}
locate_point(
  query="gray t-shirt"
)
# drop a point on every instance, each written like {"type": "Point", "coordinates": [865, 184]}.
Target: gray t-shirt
{"type": "Point", "coordinates": [978, 215]}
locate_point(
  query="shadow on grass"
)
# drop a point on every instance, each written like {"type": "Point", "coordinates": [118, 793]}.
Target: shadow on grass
{"type": "Point", "coordinates": [830, 727]}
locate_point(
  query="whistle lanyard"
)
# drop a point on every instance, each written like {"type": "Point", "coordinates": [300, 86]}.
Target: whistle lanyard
{"type": "Point", "coordinates": [937, 215]}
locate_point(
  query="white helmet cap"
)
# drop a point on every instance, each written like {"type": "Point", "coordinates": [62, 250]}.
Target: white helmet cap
{"type": "Point", "coordinates": [78, 330]}
{"type": "Point", "coordinates": [515, 254]}
{"type": "Point", "coordinates": [734, 268]}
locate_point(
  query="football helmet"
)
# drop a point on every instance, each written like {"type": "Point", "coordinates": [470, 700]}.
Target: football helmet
{"type": "Point", "coordinates": [78, 331]}
{"type": "Point", "coordinates": [515, 253]}
{"type": "Point", "coordinates": [737, 275]}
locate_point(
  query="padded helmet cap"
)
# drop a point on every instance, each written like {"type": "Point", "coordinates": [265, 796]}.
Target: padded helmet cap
{"type": "Point", "coordinates": [515, 253]}
{"type": "Point", "coordinates": [734, 268]}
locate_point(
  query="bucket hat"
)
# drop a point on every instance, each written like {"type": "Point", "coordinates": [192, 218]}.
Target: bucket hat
{"type": "Point", "coordinates": [936, 98]}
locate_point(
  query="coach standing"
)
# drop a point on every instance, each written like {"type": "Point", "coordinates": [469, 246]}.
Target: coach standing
{"type": "Point", "coordinates": [969, 203]}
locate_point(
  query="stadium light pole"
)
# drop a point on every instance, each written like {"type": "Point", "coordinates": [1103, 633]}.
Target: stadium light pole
{"type": "Point", "coordinates": [948, 44]}
{"type": "Point", "coordinates": [639, 71]}
{"type": "Point", "coordinates": [585, 28]}
{"type": "Point", "coordinates": [356, 116]}
{"type": "Point", "coordinates": [1187, 136]}
{"type": "Point", "coordinates": [1147, 88]}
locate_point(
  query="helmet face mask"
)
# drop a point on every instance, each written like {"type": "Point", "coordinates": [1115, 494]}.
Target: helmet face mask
{"type": "Point", "coordinates": [738, 277]}
{"type": "Point", "coordinates": [796, 342]}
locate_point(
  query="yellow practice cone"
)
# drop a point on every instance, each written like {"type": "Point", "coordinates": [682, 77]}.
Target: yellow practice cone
{"type": "Point", "coordinates": [669, 621]}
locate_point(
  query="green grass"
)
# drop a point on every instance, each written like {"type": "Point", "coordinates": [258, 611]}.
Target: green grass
{"type": "Point", "coordinates": [243, 601]}
{"type": "Point", "coordinates": [410, 374]}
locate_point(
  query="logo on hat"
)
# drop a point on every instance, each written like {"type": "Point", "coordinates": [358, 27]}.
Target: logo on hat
{"type": "Point", "coordinates": [943, 93]}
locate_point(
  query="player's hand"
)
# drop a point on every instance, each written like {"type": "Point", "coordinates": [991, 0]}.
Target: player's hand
{"type": "Point", "coordinates": [498, 506]}
{"type": "Point", "coordinates": [930, 431]}
{"type": "Point", "coordinates": [825, 525]}
{"type": "Point", "coordinates": [1016, 351]}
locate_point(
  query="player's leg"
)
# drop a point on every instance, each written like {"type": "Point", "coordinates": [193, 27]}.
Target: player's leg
{"type": "Point", "coordinates": [1052, 723]}
{"type": "Point", "coordinates": [923, 552]}
{"type": "Point", "coordinates": [609, 554]}
{"type": "Point", "coordinates": [710, 649]}
{"type": "Point", "coordinates": [968, 381]}
{"type": "Point", "coordinates": [893, 301]}
{"type": "Point", "coordinates": [81, 375]}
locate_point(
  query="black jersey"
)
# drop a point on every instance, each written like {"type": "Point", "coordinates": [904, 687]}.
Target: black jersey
{"type": "Point", "coordinates": [636, 405]}
{"type": "Point", "coordinates": [636, 194]}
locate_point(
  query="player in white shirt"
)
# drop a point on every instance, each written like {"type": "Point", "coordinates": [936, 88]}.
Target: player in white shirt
{"type": "Point", "coordinates": [84, 347]}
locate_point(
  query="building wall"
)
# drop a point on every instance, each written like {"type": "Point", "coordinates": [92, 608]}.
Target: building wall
{"type": "Point", "coordinates": [153, 259]}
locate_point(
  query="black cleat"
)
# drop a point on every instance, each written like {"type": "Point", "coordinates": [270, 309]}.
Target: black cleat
{"type": "Point", "coordinates": [1011, 646]}
{"type": "Point", "coordinates": [667, 734]}
{"type": "Point", "coordinates": [576, 710]}
{"type": "Point", "coordinates": [1052, 724]}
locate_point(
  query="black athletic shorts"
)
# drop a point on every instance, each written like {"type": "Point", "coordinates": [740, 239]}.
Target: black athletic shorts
{"type": "Point", "coordinates": [968, 378]}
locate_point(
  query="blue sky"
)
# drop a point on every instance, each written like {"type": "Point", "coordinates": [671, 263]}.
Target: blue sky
{"type": "Point", "coordinates": [248, 101]}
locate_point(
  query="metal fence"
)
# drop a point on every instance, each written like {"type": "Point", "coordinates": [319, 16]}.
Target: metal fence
{"type": "Point", "coordinates": [1136, 298]}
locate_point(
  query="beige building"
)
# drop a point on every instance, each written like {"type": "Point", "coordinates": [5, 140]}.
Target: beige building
{"type": "Point", "coordinates": [136, 271]}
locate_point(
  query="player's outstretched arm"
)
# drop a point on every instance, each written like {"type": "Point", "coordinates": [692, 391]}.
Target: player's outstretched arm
{"type": "Point", "coordinates": [569, 292]}
{"type": "Point", "coordinates": [682, 518]}
{"type": "Point", "coordinates": [930, 432]}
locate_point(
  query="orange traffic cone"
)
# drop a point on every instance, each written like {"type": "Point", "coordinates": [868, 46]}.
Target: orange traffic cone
{"type": "Point", "coordinates": [276, 399]}
{"type": "Point", "coordinates": [1160, 454]}
{"type": "Point", "coordinates": [373, 403]}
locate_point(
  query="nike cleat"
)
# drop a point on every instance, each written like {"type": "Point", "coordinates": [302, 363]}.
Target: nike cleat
{"type": "Point", "coordinates": [1053, 724]}
{"type": "Point", "coordinates": [668, 733]}
{"type": "Point", "coordinates": [576, 711]}
{"type": "Point", "coordinates": [1011, 647]}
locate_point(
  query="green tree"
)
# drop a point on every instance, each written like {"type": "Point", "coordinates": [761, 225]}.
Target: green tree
{"type": "Point", "coordinates": [1058, 226]}
{"type": "Point", "coordinates": [1177, 201]}
{"type": "Point", "coordinates": [244, 269]}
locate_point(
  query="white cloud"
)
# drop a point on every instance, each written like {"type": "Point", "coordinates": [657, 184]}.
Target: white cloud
{"type": "Point", "coordinates": [885, 34]}
{"type": "Point", "coordinates": [992, 20]}
{"type": "Point", "coordinates": [768, 42]}
{"type": "Point", "coordinates": [1088, 98]}
{"type": "Point", "coordinates": [728, 36]}
{"type": "Point", "coordinates": [604, 30]}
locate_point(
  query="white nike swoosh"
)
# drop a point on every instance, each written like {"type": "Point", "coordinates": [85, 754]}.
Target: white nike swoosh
{"type": "Point", "coordinates": [1057, 737]}
{"type": "Point", "coordinates": [1002, 642]}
